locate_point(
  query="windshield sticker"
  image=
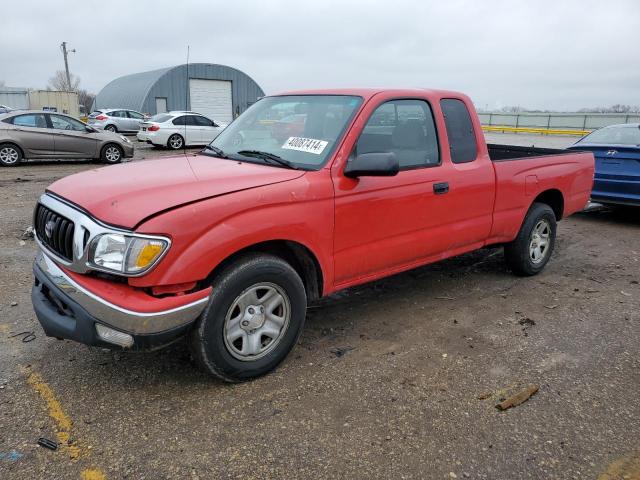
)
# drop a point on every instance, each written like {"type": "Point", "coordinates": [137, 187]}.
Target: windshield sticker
{"type": "Point", "coordinates": [308, 145]}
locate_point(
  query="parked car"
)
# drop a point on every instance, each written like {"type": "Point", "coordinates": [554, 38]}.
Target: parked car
{"type": "Point", "coordinates": [117, 120]}
{"type": "Point", "coordinates": [34, 134]}
{"type": "Point", "coordinates": [228, 246]}
{"type": "Point", "coordinates": [617, 152]}
{"type": "Point", "coordinates": [177, 130]}
{"type": "Point", "coordinates": [5, 109]}
{"type": "Point", "coordinates": [292, 125]}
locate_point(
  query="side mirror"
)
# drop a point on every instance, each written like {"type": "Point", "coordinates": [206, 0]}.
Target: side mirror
{"type": "Point", "coordinates": [90, 129]}
{"type": "Point", "coordinates": [372, 165]}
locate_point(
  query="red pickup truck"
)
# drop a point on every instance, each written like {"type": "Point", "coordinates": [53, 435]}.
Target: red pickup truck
{"type": "Point", "coordinates": [228, 246]}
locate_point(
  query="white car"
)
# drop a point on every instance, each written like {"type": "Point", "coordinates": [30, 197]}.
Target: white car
{"type": "Point", "coordinates": [177, 130]}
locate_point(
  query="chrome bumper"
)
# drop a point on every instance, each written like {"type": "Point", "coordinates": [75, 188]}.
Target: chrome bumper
{"type": "Point", "coordinates": [136, 323]}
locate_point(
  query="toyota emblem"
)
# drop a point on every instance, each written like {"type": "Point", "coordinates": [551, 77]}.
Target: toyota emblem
{"type": "Point", "coordinates": [48, 228]}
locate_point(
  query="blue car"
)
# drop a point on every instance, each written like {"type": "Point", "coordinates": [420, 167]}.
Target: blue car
{"type": "Point", "coordinates": [616, 149]}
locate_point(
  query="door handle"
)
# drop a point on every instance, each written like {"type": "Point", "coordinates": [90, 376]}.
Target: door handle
{"type": "Point", "coordinates": [440, 188]}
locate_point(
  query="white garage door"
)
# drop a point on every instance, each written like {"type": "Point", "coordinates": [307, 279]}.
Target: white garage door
{"type": "Point", "coordinates": [212, 98]}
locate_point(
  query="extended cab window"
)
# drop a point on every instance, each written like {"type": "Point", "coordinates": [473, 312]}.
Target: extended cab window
{"type": "Point", "coordinates": [405, 128]}
{"type": "Point", "coordinates": [462, 139]}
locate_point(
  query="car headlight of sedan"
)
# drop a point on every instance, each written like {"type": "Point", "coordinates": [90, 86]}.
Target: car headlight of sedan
{"type": "Point", "coordinates": [126, 254]}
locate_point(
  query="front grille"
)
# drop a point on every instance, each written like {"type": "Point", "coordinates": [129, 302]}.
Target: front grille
{"type": "Point", "coordinates": [58, 237]}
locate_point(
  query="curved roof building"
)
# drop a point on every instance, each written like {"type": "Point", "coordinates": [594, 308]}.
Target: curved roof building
{"type": "Point", "coordinates": [217, 91]}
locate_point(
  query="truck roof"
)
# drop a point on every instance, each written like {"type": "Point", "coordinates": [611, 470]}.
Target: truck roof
{"type": "Point", "coordinates": [367, 93]}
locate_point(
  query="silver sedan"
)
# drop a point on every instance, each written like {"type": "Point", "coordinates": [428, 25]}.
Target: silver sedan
{"type": "Point", "coordinates": [37, 134]}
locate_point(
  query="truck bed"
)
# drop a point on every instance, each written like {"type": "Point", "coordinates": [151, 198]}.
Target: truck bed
{"type": "Point", "coordinates": [499, 153]}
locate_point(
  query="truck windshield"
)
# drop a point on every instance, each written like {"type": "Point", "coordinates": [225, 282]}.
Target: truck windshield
{"type": "Point", "coordinates": [298, 131]}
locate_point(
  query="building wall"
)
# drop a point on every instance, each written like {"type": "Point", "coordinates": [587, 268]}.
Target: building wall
{"type": "Point", "coordinates": [174, 86]}
{"type": "Point", "coordinates": [62, 102]}
{"type": "Point", "coordinates": [14, 97]}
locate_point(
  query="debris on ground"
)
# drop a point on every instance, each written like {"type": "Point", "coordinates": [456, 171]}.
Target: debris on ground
{"type": "Point", "coordinates": [14, 304]}
{"type": "Point", "coordinates": [28, 233]}
{"type": "Point", "coordinates": [11, 456]}
{"type": "Point", "coordinates": [518, 398]}
{"type": "Point", "coordinates": [527, 322]}
{"type": "Point", "coordinates": [551, 307]}
{"type": "Point", "coordinates": [340, 351]}
{"type": "Point", "coordinates": [46, 443]}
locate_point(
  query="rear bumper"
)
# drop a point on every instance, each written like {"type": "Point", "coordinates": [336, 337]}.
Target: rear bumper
{"type": "Point", "coordinates": [65, 309]}
{"type": "Point", "coordinates": [622, 192]}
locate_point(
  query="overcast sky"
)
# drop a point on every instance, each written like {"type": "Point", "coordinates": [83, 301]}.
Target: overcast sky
{"type": "Point", "coordinates": [561, 54]}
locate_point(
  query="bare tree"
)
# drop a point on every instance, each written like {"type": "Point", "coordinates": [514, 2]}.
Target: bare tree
{"type": "Point", "coordinates": [59, 82]}
{"type": "Point", "coordinates": [85, 99]}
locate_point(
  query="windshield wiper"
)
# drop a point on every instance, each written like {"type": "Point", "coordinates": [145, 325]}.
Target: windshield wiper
{"type": "Point", "coordinates": [217, 151]}
{"type": "Point", "coordinates": [268, 156]}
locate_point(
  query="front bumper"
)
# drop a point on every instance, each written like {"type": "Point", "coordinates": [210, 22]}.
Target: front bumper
{"type": "Point", "coordinates": [65, 309]}
{"type": "Point", "coordinates": [128, 149]}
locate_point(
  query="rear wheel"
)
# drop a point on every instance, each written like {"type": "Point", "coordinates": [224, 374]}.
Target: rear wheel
{"type": "Point", "coordinates": [253, 320]}
{"type": "Point", "coordinates": [10, 155]}
{"type": "Point", "coordinates": [529, 253]}
{"type": "Point", "coordinates": [175, 142]}
{"type": "Point", "coordinates": [111, 153]}
{"type": "Point", "coordinates": [111, 128]}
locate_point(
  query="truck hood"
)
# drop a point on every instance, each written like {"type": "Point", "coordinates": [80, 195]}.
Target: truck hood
{"type": "Point", "coordinates": [124, 195]}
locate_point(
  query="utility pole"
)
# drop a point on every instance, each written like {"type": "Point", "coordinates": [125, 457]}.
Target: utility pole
{"type": "Point", "coordinates": [66, 62]}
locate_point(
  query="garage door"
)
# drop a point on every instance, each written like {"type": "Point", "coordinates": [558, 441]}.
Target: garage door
{"type": "Point", "coordinates": [211, 98]}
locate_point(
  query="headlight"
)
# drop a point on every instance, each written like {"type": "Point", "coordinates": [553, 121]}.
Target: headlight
{"type": "Point", "coordinates": [126, 254]}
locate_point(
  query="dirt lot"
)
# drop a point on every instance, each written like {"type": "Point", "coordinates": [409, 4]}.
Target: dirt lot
{"type": "Point", "coordinates": [427, 356]}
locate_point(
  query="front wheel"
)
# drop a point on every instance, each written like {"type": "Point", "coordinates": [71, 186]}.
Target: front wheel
{"type": "Point", "coordinates": [253, 320]}
{"type": "Point", "coordinates": [111, 154]}
{"type": "Point", "coordinates": [529, 253]}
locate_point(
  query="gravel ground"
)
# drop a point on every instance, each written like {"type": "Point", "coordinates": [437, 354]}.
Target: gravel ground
{"type": "Point", "coordinates": [427, 355]}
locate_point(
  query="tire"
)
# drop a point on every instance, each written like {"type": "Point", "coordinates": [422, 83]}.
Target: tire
{"type": "Point", "coordinates": [111, 154]}
{"type": "Point", "coordinates": [10, 155]}
{"type": "Point", "coordinates": [229, 341]}
{"type": "Point", "coordinates": [175, 142]}
{"type": "Point", "coordinates": [111, 128]}
{"type": "Point", "coordinates": [531, 250]}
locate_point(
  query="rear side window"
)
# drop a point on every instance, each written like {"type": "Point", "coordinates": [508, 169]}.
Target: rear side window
{"type": "Point", "coordinates": [35, 120]}
{"type": "Point", "coordinates": [203, 122]}
{"type": "Point", "coordinates": [181, 121]}
{"type": "Point", "coordinates": [462, 140]}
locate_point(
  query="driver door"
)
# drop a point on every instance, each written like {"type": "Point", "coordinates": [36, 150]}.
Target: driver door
{"type": "Point", "coordinates": [71, 138]}
{"type": "Point", "coordinates": [384, 224]}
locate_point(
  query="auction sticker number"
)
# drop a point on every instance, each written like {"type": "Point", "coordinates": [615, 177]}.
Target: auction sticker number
{"type": "Point", "coordinates": [308, 145]}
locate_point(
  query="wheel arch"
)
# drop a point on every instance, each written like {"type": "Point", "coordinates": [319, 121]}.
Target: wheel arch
{"type": "Point", "coordinates": [14, 144]}
{"type": "Point", "coordinates": [554, 198]}
{"type": "Point", "coordinates": [300, 257]}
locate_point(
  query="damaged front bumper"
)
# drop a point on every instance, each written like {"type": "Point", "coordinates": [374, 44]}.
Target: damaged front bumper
{"type": "Point", "coordinates": [66, 309]}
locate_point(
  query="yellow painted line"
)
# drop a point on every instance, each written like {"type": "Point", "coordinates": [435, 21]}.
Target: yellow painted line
{"type": "Point", "coordinates": [543, 131]}
{"type": "Point", "coordinates": [63, 424]}
{"type": "Point", "coordinates": [627, 468]}
{"type": "Point", "coordinates": [91, 474]}
{"type": "Point", "coordinates": [56, 412]}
